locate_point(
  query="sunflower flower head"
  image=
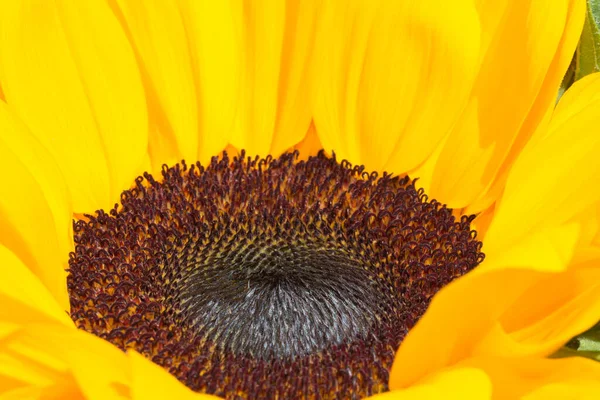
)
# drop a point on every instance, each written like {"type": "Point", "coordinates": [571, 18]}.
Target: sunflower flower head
{"type": "Point", "coordinates": [307, 273]}
{"type": "Point", "coordinates": [317, 184]}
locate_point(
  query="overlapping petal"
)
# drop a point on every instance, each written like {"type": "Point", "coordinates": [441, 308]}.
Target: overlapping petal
{"type": "Point", "coordinates": [527, 48]}
{"type": "Point", "coordinates": [462, 319]}
{"type": "Point", "coordinates": [532, 293]}
{"type": "Point", "coordinates": [45, 360]}
{"type": "Point", "coordinates": [457, 383]}
{"type": "Point", "coordinates": [391, 78]}
{"type": "Point", "coordinates": [552, 180]}
{"type": "Point", "coordinates": [276, 41]}
{"type": "Point", "coordinates": [223, 72]}
{"type": "Point", "coordinates": [23, 296]}
{"type": "Point", "coordinates": [68, 71]}
{"type": "Point", "coordinates": [161, 45]}
{"type": "Point", "coordinates": [55, 359]}
{"type": "Point", "coordinates": [58, 361]}
{"type": "Point", "coordinates": [547, 314]}
{"type": "Point", "coordinates": [149, 381]}
{"type": "Point", "coordinates": [35, 211]}
{"type": "Point", "coordinates": [514, 319]}
{"type": "Point", "coordinates": [536, 378]}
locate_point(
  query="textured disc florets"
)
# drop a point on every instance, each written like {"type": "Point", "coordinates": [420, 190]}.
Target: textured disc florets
{"type": "Point", "coordinates": [267, 278]}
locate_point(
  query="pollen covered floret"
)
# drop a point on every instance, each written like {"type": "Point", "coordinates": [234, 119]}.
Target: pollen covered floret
{"type": "Point", "coordinates": [267, 278]}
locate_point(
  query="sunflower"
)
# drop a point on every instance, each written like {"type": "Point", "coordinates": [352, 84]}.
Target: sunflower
{"type": "Point", "coordinates": [293, 253]}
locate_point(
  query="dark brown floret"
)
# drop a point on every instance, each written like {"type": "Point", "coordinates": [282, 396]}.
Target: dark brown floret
{"type": "Point", "coordinates": [267, 278]}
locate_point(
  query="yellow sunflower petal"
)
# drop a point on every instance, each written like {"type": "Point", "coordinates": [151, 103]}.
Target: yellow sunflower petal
{"type": "Point", "coordinates": [456, 383]}
{"type": "Point", "coordinates": [63, 391]}
{"type": "Point", "coordinates": [548, 314]}
{"type": "Point", "coordinates": [215, 46]}
{"type": "Point", "coordinates": [159, 38]}
{"type": "Point", "coordinates": [65, 358]}
{"type": "Point", "coordinates": [310, 145]}
{"type": "Point", "coordinates": [16, 138]}
{"type": "Point", "coordinates": [542, 108]}
{"type": "Point", "coordinates": [518, 313]}
{"type": "Point", "coordinates": [149, 381]}
{"type": "Point", "coordinates": [294, 113]}
{"type": "Point", "coordinates": [261, 32]}
{"type": "Point", "coordinates": [23, 297]}
{"type": "Point", "coordinates": [550, 249]}
{"type": "Point", "coordinates": [464, 322]}
{"type": "Point", "coordinates": [482, 222]}
{"type": "Point", "coordinates": [589, 222]}
{"type": "Point", "coordinates": [276, 40]}
{"type": "Point", "coordinates": [67, 69]}
{"type": "Point", "coordinates": [389, 83]}
{"type": "Point", "coordinates": [25, 370]}
{"type": "Point", "coordinates": [538, 378]}
{"type": "Point", "coordinates": [28, 380]}
{"type": "Point", "coordinates": [553, 179]}
{"type": "Point", "coordinates": [579, 390]}
{"type": "Point", "coordinates": [8, 328]}
{"type": "Point", "coordinates": [190, 63]}
{"type": "Point", "coordinates": [34, 209]}
{"type": "Point", "coordinates": [106, 377]}
{"type": "Point", "coordinates": [521, 70]}
{"type": "Point", "coordinates": [51, 359]}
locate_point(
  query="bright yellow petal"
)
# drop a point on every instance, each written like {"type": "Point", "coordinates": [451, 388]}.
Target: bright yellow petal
{"type": "Point", "coordinates": [34, 208]}
{"type": "Point", "coordinates": [19, 380]}
{"type": "Point", "coordinates": [65, 391]}
{"type": "Point", "coordinates": [549, 313]}
{"type": "Point", "coordinates": [275, 38]}
{"type": "Point", "coordinates": [294, 113]}
{"type": "Point", "coordinates": [261, 28]}
{"type": "Point", "coordinates": [539, 116]}
{"type": "Point", "coordinates": [463, 321]}
{"type": "Point", "coordinates": [149, 381]}
{"type": "Point", "coordinates": [391, 78]}
{"type": "Point", "coordinates": [23, 297]}
{"type": "Point", "coordinates": [482, 222]}
{"type": "Point", "coordinates": [16, 138]}
{"type": "Point", "coordinates": [67, 69]}
{"type": "Point", "coordinates": [61, 358]}
{"type": "Point", "coordinates": [553, 180]}
{"type": "Point", "coordinates": [518, 313]}
{"type": "Point", "coordinates": [215, 46]}
{"type": "Point", "coordinates": [457, 383]}
{"type": "Point", "coordinates": [538, 378]}
{"type": "Point", "coordinates": [589, 223]}
{"type": "Point", "coordinates": [106, 377]}
{"type": "Point", "coordinates": [540, 327]}
{"type": "Point", "coordinates": [188, 56]}
{"type": "Point", "coordinates": [550, 249]}
{"type": "Point", "coordinates": [159, 38]}
{"type": "Point", "coordinates": [24, 370]}
{"type": "Point", "coordinates": [47, 359]}
{"type": "Point", "coordinates": [522, 67]}
{"type": "Point", "coordinates": [310, 145]}
{"type": "Point", "coordinates": [577, 390]}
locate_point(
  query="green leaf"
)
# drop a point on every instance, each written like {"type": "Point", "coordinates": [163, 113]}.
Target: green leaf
{"type": "Point", "coordinates": [586, 59]}
{"type": "Point", "coordinates": [588, 51]}
{"type": "Point", "coordinates": [567, 352]}
{"type": "Point", "coordinates": [568, 79]}
{"type": "Point", "coordinates": [585, 345]}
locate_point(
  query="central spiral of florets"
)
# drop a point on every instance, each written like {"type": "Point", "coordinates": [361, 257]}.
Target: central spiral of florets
{"type": "Point", "coordinates": [280, 296]}
{"type": "Point", "coordinates": [267, 278]}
